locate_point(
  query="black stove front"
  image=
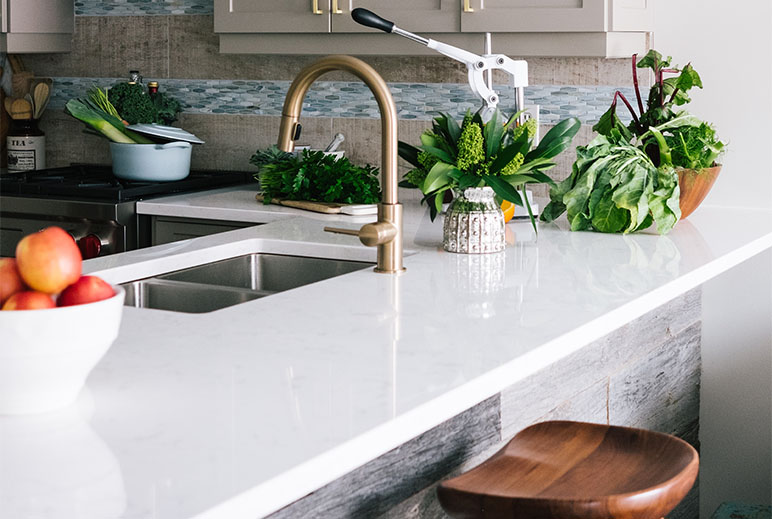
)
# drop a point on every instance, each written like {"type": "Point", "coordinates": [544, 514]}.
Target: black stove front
{"type": "Point", "coordinates": [91, 182]}
{"type": "Point", "coordinates": [98, 209]}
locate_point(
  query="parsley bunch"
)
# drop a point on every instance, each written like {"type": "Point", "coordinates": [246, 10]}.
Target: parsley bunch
{"type": "Point", "coordinates": [316, 177]}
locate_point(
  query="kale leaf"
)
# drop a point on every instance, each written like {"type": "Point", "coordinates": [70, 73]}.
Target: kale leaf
{"type": "Point", "coordinates": [615, 187]}
{"type": "Point", "coordinates": [132, 102]}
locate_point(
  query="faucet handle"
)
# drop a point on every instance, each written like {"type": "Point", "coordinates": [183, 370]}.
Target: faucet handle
{"type": "Point", "coordinates": [338, 230]}
{"type": "Point", "coordinates": [370, 234]}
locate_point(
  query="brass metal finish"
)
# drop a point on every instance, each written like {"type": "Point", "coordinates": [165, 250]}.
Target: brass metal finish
{"type": "Point", "coordinates": [389, 241]}
{"type": "Point", "coordinates": [371, 234]}
{"type": "Point", "coordinates": [335, 9]}
{"type": "Point", "coordinates": [468, 7]}
{"type": "Point", "coordinates": [338, 230]}
{"type": "Point", "coordinates": [315, 7]}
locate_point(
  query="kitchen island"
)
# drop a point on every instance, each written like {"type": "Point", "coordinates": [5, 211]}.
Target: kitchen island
{"type": "Point", "coordinates": [351, 396]}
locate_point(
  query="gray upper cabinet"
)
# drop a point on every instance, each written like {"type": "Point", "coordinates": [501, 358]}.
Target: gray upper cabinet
{"type": "Point", "coordinates": [606, 28]}
{"type": "Point", "coordinates": [556, 16]}
{"type": "Point", "coordinates": [29, 26]}
{"type": "Point", "coordinates": [426, 16]}
{"type": "Point", "coordinates": [272, 16]}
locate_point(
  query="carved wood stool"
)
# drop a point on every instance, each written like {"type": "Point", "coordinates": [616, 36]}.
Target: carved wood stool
{"type": "Point", "coordinates": [574, 470]}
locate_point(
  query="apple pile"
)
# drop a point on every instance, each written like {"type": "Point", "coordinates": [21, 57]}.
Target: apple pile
{"type": "Point", "coordinates": [47, 273]}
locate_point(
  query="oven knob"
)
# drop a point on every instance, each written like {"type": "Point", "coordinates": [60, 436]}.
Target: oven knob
{"type": "Point", "coordinates": [90, 246]}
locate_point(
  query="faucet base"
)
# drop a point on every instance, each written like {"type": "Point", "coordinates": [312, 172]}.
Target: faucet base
{"type": "Point", "coordinates": [390, 252]}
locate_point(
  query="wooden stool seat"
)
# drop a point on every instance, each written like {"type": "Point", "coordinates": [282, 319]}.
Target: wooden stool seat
{"type": "Point", "coordinates": [573, 470]}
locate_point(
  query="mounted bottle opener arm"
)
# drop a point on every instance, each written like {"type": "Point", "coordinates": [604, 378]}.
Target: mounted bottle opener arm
{"type": "Point", "coordinates": [477, 66]}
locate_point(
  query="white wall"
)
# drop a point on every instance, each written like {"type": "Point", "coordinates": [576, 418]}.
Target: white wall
{"type": "Point", "coordinates": [730, 44]}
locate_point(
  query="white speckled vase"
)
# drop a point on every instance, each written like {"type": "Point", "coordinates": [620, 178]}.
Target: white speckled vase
{"type": "Point", "coordinates": [474, 223]}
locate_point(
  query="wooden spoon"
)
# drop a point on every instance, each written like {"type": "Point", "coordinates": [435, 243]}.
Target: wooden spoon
{"type": "Point", "coordinates": [21, 109]}
{"type": "Point", "coordinates": [7, 103]}
{"type": "Point", "coordinates": [41, 95]}
{"type": "Point", "coordinates": [21, 83]}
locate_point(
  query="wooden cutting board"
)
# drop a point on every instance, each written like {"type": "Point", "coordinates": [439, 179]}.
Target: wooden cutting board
{"type": "Point", "coordinates": [318, 207]}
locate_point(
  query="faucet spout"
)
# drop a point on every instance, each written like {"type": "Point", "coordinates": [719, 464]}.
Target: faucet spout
{"type": "Point", "coordinates": [386, 233]}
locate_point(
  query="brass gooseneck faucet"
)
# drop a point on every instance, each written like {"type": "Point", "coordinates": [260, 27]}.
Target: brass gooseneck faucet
{"type": "Point", "coordinates": [386, 233]}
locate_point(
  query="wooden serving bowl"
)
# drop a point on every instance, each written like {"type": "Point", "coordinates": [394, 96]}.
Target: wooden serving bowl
{"type": "Point", "coordinates": [695, 185]}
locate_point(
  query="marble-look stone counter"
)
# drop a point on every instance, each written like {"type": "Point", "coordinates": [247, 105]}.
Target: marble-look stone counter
{"type": "Point", "coordinates": [235, 204]}
{"type": "Point", "coordinates": [243, 411]}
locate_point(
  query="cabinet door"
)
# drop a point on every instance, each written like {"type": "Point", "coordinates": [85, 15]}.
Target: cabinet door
{"type": "Point", "coordinates": [168, 229]}
{"type": "Point", "coordinates": [38, 16]}
{"type": "Point", "coordinates": [272, 16]}
{"type": "Point", "coordinates": [632, 16]}
{"type": "Point", "coordinates": [419, 16]}
{"type": "Point", "coordinates": [534, 16]}
{"type": "Point", "coordinates": [29, 26]}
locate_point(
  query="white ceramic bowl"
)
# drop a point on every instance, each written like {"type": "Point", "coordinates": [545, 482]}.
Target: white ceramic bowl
{"type": "Point", "coordinates": [151, 162]}
{"type": "Point", "coordinates": [46, 355]}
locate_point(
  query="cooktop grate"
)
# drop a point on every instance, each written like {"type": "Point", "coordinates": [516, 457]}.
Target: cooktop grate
{"type": "Point", "coordinates": [94, 182]}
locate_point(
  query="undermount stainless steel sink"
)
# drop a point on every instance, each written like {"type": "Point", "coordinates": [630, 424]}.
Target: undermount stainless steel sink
{"type": "Point", "coordinates": [209, 287]}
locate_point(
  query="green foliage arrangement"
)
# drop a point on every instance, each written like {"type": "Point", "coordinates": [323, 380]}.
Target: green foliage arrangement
{"type": "Point", "coordinates": [695, 146]}
{"type": "Point", "coordinates": [315, 177]}
{"type": "Point", "coordinates": [136, 106]}
{"type": "Point", "coordinates": [627, 177]}
{"type": "Point", "coordinates": [498, 154]}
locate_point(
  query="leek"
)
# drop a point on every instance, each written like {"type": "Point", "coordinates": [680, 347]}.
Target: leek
{"type": "Point", "coordinates": [104, 123]}
{"type": "Point", "coordinates": [98, 97]}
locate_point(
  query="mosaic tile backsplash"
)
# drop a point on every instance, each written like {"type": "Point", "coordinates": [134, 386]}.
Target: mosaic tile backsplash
{"type": "Point", "coordinates": [142, 7]}
{"type": "Point", "coordinates": [418, 101]}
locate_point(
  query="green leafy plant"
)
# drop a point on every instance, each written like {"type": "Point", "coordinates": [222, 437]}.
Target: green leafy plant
{"type": "Point", "coordinates": [498, 154]}
{"type": "Point", "coordinates": [615, 187]}
{"type": "Point", "coordinates": [167, 108]}
{"type": "Point", "coordinates": [694, 146]}
{"type": "Point", "coordinates": [627, 177]}
{"type": "Point", "coordinates": [315, 176]}
{"type": "Point", "coordinates": [135, 105]}
{"type": "Point", "coordinates": [132, 102]}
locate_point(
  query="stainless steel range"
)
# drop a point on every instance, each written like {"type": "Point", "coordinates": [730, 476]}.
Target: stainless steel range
{"type": "Point", "coordinates": [98, 209]}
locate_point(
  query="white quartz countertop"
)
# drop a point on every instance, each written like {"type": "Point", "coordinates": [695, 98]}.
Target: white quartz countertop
{"type": "Point", "coordinates": [239, 412]}
{"type": "Point", "coordinates": [236, 204]}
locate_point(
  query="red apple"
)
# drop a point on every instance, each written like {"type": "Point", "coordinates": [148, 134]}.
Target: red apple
{"type": "Point", "coordinates": [87, 289]}
{"type": "Point", "coordinates": [49, 260]}
{"type": "Point", "coordinates": [10, 279]}
{"type": "Point", "coordinates": [29, 300]}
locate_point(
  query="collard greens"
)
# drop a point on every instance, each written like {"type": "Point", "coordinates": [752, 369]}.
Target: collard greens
{"type": "Point", "coordinates": [615, 187]}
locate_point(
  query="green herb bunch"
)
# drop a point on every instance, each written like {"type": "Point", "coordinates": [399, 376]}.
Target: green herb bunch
{"type": "Point", "coordinates": [315, 176]}
{"type": "Point", "coordinates": [695, 146]}
{"type": "Point", "coordinates": [498, 154]}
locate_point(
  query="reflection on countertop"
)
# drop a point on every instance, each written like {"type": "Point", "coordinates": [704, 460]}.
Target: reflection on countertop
{"type": "Point", "coordinates": [56, 465]}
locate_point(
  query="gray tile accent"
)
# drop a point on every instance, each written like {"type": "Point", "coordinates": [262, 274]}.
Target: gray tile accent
{"type": "Point", "coordinates": [142, 7]}
{"type": "Point", "coordinates": [417, 101]}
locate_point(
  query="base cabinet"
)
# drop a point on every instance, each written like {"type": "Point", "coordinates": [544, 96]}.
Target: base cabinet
{"type": "Point", "coordinates": [168, 229]}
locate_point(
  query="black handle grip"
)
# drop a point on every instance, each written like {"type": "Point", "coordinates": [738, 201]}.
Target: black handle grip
{"type": "Point", "coordinates": [370, 19]}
